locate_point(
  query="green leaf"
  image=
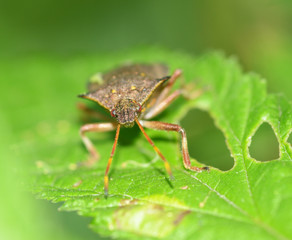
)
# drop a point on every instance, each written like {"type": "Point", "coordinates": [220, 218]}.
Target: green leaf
{"type": "Point", "coordinates": [250, 201]}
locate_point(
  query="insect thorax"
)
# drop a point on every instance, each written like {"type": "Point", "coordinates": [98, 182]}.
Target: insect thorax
{"type": "Point", "coordinates": [126, 111]}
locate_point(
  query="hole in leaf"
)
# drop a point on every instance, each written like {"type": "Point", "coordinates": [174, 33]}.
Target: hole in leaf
{"type": "Point", "coordinates": [206, 142]}
{"type": "Point", "coordinates": [264, 145]}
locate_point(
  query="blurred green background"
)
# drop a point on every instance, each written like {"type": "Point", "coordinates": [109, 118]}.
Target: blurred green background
{"type": "Point", "coordinates": [259, 33]}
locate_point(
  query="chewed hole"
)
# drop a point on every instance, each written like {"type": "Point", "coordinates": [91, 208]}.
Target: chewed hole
{"type": "Point", "coordinates": [206, 142]}
{"type": "Point", "coordinates": [264, 144]}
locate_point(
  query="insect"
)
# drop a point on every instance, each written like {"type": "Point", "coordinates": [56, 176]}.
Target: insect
{"type": "Point", "coordinates": [134, 94]}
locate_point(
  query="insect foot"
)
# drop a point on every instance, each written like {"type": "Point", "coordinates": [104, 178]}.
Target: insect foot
{"type": "Point", "coordinates": [198, 169]}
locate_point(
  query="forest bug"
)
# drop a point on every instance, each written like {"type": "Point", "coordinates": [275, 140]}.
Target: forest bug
{"type": "Point", "coordinates": [134, 93]}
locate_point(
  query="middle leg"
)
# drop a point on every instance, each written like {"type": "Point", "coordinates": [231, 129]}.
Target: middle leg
{"type": "Point", "coordinates": [163, 100]}
{"type": "Point", "coordinates": [155, 110]}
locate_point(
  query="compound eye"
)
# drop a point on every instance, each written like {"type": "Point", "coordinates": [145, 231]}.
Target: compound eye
{"type": "Point", "coordinates": [139, 108]}
{"type": "Point", "coordinates": [113, 113]}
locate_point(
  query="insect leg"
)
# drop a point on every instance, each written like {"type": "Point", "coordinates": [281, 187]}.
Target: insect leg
{"type": "Point", "coordinates": [168, 87]}
{"type": "Point", "coordinates": [110, 161]}
{"type": "Point", "coordinates": [184, 144]}
{"type": "Point", "coordinates": [163, 101]}
{"type": "Point", "coordinates": [166, 164]}
{"type": "Point", "coordinates": [156, 109]}
{"type": "Point", "coordinates": [94, 127]}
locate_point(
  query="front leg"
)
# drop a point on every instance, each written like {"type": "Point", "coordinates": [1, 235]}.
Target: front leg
{"type": "Point", "coordinates": [184, 144]}
{"type": "Point", "coordinates": [94, 127]}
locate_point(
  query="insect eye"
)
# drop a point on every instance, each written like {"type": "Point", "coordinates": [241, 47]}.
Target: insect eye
{"type": "Point", "coordinates": [113, 113]}
{"type": "Point", "coordinates": [139, 108]}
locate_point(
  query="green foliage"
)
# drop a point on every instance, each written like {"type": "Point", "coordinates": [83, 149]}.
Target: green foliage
{"type": "Point", "coordinates": [252, 200]}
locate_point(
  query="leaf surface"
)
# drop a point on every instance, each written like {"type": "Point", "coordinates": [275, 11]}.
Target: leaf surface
{"type": "Point", "coordinates": [252, 200]}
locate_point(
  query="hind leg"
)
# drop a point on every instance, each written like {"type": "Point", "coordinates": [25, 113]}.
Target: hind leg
{"type": "Point", "coordinates": [184, 144]}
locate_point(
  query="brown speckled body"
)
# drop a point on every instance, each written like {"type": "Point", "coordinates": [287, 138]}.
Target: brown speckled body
{"type": "Point", "coordinates": [125, 90]}
{"type": "Point", "coordinates": [129, 82]}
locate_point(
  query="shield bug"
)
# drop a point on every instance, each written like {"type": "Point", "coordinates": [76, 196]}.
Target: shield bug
{"type": "Point", "coordinates": [134, 94]}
